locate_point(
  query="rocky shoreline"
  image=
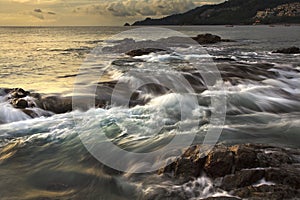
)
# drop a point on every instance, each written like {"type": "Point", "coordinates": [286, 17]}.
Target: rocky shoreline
{"type": "Point", "coordinates": [246, 171]}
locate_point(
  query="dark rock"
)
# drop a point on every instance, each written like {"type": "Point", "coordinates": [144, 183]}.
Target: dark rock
{"type": "Point", "coordinates": [227, 40]}
{"type": "Point", "coordinates": [188, 166]}
{"type": "Point", "coordinates": [241, 169]}
{"type": "Point", "coordinates": [272, 192]}
{"type": "Point", "coordinates": [244, 157]}
{"type": "Point", "coordinates": [126, 24]}
{"type": "Point", "coordinates": [219, 162]}
{"type": "Point", "coordinates": [207, 38]}
{"type": "Point", "coordinates": [143, 51]}
{"type": "Point", "coordinates": [30, 113]}
{"type": "Point", "coordinates": [290, 50]}
{"type": "Point", "coordinates": [18, 93]}
{"type": "Point", "coordinates": [56, 104]}
{"type": "Point", "coordinates": [241, 179]}
{"type": "Point", "coordinates": [285, 175]}
{"type": "Point", "coordinates": [20, 103]}
{"type": "Point", "coordinates": [223, 59]}
{"type": "Point", "coordinates": [221, 198]}
{"type": "Point", "coordinates": [126, 62]}
{"type": "Point", "coordinates": [273, 157]}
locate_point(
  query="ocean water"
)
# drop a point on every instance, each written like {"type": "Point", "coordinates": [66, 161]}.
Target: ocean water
{"type": "Point", "coordinates": [52, 157]}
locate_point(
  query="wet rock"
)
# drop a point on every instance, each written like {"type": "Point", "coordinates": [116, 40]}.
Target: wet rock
{"type": "Point", "coordinates": [18, 93]}
{"type": "Point", "coordinates": [224, 59]}
{"type": "Point", "coordinates": [188, 166]}
{"type": "Point", "coordinates": [219, 162]}
{"type": "Point", "coordinates": [57, 105]}
{"type": "Point", "coordinates": [221, 198]}
{"type": "Point", "coordinates": [20, 103]}
{"type": "Point", "coordinates": [273, 157]}
{"type": "Point", "coordinates": [162, 194]}
{"type": "Point", "coordinates": [143, 51]}
{"type": "Point", "coordinates": [30, 113]}
{"type": "Point", "coordinates": [241, 179]}
{"type": "Point", "coordinates": [290, 50]}
{"type": "Point", "coordinates": [244, 157]}
{"type": "Point", "coordinates": [272, 192]}
{"type": "Point", "coordinates": [209, 39]}
{"type": "Point", "coordinates": [285, 175]}
{"type": "Point", "coordinates": [249, 171]}
{"type": "Point", "coordinates": [126, 62]}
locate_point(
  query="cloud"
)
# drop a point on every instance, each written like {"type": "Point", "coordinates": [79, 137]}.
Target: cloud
{"type": "Point", "coordinates": [130, 8]}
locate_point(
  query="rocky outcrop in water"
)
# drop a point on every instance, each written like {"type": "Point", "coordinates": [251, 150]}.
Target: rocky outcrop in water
{"type": "Point", "coordinates": [27, 101]}
{"type": "Point", "coordinates": [209, 39]}
{"type": "Point", "coordinates": [290, 50]}
{"type": "Point", "coordinates": [246, 171]}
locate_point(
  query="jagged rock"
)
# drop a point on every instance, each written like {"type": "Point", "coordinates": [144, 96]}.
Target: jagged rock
{"type": "Point", "coordinates": [219, 162]}
{"type": "Point", "coordinates": [246, 171]}
{"type": "Point", "coordinates": [273, 158]}
{"type": "Point", "coordinates": [285, 175]}
{"type": "Point", "coordinates": [241, 179]}
{"type": "Point", "coordinates": [290, 50]}
{"type": "Point", "coordinates": [272, 192]}
{"type": "Point", "coordinates": [244, 157]}
{"type": "Point", "coordinates": [143, 51]}
{"type": "Point", "coordinates": [188, 166]}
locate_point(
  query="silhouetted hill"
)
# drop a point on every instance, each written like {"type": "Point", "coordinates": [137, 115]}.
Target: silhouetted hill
{"type": "Point", "coordinates": [230, 12]}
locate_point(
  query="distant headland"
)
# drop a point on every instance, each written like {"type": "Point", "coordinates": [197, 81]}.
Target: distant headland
{"type": "Point", "coordinates": [234, 12]}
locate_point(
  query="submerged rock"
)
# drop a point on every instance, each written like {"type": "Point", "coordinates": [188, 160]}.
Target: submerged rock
{"type": "Point", "coordinates": [143, 51]}
{"type": "Point", "coordinates": [290, 50]}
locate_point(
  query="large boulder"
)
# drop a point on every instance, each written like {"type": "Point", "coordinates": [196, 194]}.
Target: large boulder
{"type": "Point", "coordinates": [56, 104]}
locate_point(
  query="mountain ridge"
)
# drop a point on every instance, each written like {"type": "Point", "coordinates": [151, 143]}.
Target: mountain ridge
{"type": "Point", "coordinates": [235, 12]}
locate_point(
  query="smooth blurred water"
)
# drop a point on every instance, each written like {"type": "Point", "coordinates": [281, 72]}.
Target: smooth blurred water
{"type": "Point", "coordinates": [44, 157]}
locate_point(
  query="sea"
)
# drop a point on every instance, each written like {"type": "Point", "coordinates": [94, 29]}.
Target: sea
{"type": "Point", "coordinates": [232, 92]}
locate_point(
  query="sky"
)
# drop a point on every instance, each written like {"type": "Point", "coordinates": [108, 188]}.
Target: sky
{"type": "Point", "coordinates": [89, 12]}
